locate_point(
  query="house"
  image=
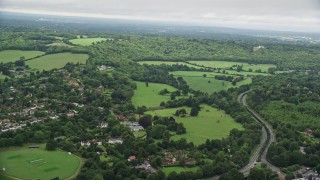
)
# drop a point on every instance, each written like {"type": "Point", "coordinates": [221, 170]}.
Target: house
{"type": "Point", "coordinates": [146, 166]}
{"type": "Point", "coordinates": [71, 114]}
{"type": "Point", "coordinates": [134, 126]}
{"type": "Point", "coordinates": [115, 141]}
{"type": "Point", "coordinates": [308, 132]}
{"type": "Point", "coordinates": [132, 158]}
{"type": "Point", "coordinates": [103, 125]}
{"type": "Point", "coordinates": [85, 143]}
{"type": "Point", "coordinates": [121, 117]}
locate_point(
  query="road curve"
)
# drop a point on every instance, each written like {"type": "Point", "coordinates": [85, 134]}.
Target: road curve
{"type": "Point", "coordinates": [265, 141]}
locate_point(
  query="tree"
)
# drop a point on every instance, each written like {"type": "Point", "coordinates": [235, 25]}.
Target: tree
{"type": "Point", "coordinates": [204, 75]}
{"type": "Point", "coordinates": [51, 145]}
{"type": "Point", "coordinates": [38, 136]}
{"type": "Point", "coordinates": [194, 111]}
{"type": "Point", "coordinates": [145, 121]}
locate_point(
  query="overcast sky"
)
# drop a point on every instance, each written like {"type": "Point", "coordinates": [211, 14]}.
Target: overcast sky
{"type": "Point", "coordinates": [296, 15]}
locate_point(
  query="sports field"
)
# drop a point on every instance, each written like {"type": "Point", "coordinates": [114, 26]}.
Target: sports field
{"type": "Point", "coordinates": [14, 55]}
{"type": "Point", "coordinates": [59, 60]}
{"type": "Point", "coordinates": [168, 63]}
{"type": "Point", "coordinates": [149, 96]}
{"type": "Point", "coordinates": [178, 169]}
{"type": "Point", "coordinates": [26, 163]}
{"type": "Point", "coordinates": [211, 123]}
{"type": "Point", "coordinates": [86, 41]}
{"type": "Point", "coordinates": [228, 64]}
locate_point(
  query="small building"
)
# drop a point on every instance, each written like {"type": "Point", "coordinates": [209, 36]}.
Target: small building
{"type": "Point", "coordinates": [132, 158]}
{"type": "Point", "coordinates": [85, 143]}
{"type": "Point", "coordinates": [115, 141]}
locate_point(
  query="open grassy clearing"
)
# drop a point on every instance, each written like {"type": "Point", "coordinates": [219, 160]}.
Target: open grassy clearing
{"type": "Point", "coordinates": [211, 123]}
{"type": "Point", "coordinates": [178, 169]}
{"type": "Point", "coordinates": [245, 73]}
{"type": "Point", "coordinates": [227, 64]}
{"type": "Point", "coordinates": [26, 163]}
{"type": "Point", "coordinates": [149, 96]}
{"type": "Point", "coordinates": [14, 55]}
{"type": "Point", "coordinates": [139, 133]}
{"type": "Point", "coordinates": [3, 76]}
{"type": "Point", "coordinates": [86, 41]}
{"type": "Point", "coordinates": [198, 74]}
{"type": "Point", "coordinates": [59, 60]}
{"type": "Point", "coordinates": [211, 85]}
{"type": "Point", "coordinates": [59, 44]}
{"type": "Point", "coordinates": [168, 63]}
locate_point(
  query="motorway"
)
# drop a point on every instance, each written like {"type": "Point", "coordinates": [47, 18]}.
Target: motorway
{"type": "Point", "coordinates": [267, 130]}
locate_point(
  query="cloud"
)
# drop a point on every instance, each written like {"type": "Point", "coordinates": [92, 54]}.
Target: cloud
{"type": "Point", "coordinates": [298, 14]}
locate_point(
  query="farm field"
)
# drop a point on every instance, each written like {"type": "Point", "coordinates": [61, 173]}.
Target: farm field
{"type": "Point", "coordinates": [198, 74]}
{"type": "Point", "coordinates": [209, 124]}
{"type": "Point", "coordinates": [178, 169]}
{"type": "Point", "coordinates": [202, 84]}
{"type": "Point", "coordinates": [14, 55]}
{"type": "Point", "coordinates": [26, 163]}
{"type": "Point", "coordinates": [149, 96]}
{"type": "Point", "coordinates": [227, 64]}
{"type": "Point", "coordinates": [167, 63]}
{"type": "Point", "coordinates": [86, 41]}
{"type": "Point", "coordinates": [59, 60]}
{"type": "Point", "coordinates": [59, 44]}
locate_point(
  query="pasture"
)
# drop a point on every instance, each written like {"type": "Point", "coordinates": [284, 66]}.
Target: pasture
{"type": "Point", "coordinates": [14, 55]}
{"type": "Point", "coordinates": [59, 44]}
{"type": "Point", "coordinates": [228, 64]}
{"type": "Point", "coordinates": [26, 163]}
{"type": "Point", "coordinates": [59, 60]}
{"type": "Point", "coordinates": [149, 96]}
{"type": "Point", "coordinates": [210, 84]}
{"type": "Point", "coordinates": [178, 169]}
{"type": "Point", "coordinates": [168, 63]}
{"type": "Point", "coordinates": [86, 41]}
{"type": "Point", "coordinates": [211, 123]}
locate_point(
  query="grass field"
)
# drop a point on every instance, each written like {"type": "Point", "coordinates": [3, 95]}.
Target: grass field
{"type": "Point", "coordinates": [199, 74]}
{"type": "Point", "coordinates": [26, 163]}
{"type": "Point", "coordinates": [59, 60]}
{"type": "Point", "coordinates": [167, 63]}
{"type": "Point", "coordinates": [2, 76]}
{"type": "Point", "coordinates": [149, 96]}
{"type": "Point", "coordinates": [211, 123]}
{"type": "Point", "coordinates": [59, 44]}
{"type": "Point", "coordinates": [86, 41]}
{"type": "Point", "coordinates": [178, 169]}
{"type": "Point", "coordinates": [14, 55]}
{"type": "Point", "coordinates": [202, 84]}
{"type": "Point", "coordinates": [227, 64]}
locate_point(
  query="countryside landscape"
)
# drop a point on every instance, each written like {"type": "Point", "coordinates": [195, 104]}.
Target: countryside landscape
{"type": "Point", "coordinates": [102, 98]}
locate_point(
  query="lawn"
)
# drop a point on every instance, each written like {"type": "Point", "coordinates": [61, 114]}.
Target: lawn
{"type": "Point", "coordinates": [26, 163]}
{"type": "Point", "coordinates": [178, 169]}
{"type": "Point", "coordinates": [139, 134]}
{"type": "Point", "coordinates": [149, 96]}
{"type": "Point", "coordinates": [14, 55]}
{"type": "Point", "coordinates": [227, 64]}
{"type": "Point", "coordinates": [86, 41]}
{"type": "Point", "coordinates": [167, 63]}
{"type": "Point", "coordinates": [211, 123]}
{"type": "Point", "coordinates": [3, 76]}
{"type": "Point", "coordinates": [199, 74]}
{"type": "Point", "coordinates": [59, 60]}
{"type": "Point", "coordinates": [210, 84]}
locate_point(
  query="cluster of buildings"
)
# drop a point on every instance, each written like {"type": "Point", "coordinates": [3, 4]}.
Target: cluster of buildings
{"type": "Point", "coordinates": [99, 142]}
{"type": "Point", "coordinates": [10, 125]}
{"type": "Point", "coordinates": [146, 166]}
{"type": "Point", "coordinates": [173, 158]}
{"type": "Point", "coordinates": [134, 126]}
{"type": "Point", "coordinates": [305, 173]}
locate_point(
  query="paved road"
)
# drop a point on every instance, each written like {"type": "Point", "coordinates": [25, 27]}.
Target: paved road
{"type": "Point", "coordinates": [267, 131]}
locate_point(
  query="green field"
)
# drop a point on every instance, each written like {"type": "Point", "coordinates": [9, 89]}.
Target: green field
{"type": "Point", "coordinates": [2, 76]}
{"type": "Point", "coordinates": [178, 169]}
{"type": "Point", "coordinates": [211, 123]}
{"type": "Point", "coordinates": [228, 64]}
{"type": "Point", "coordinates": [199, 74]}
{"type": "Point", "coordinates": [26, 163]}
{"type": "Point", "coordinates": [86, 41]}
{"type": "Point", "coordinates": [167, 63]}
{"type": "Point", "coordinates": [149, 96]}
{"type": "Point", "coordinates": [59, 44]}
{"type": "Point", "coordinates": [59, 60]}
{"type": "Point", "coordinates": [202, 84]}
{"type": "Point", "coordinates": [14, 55]}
